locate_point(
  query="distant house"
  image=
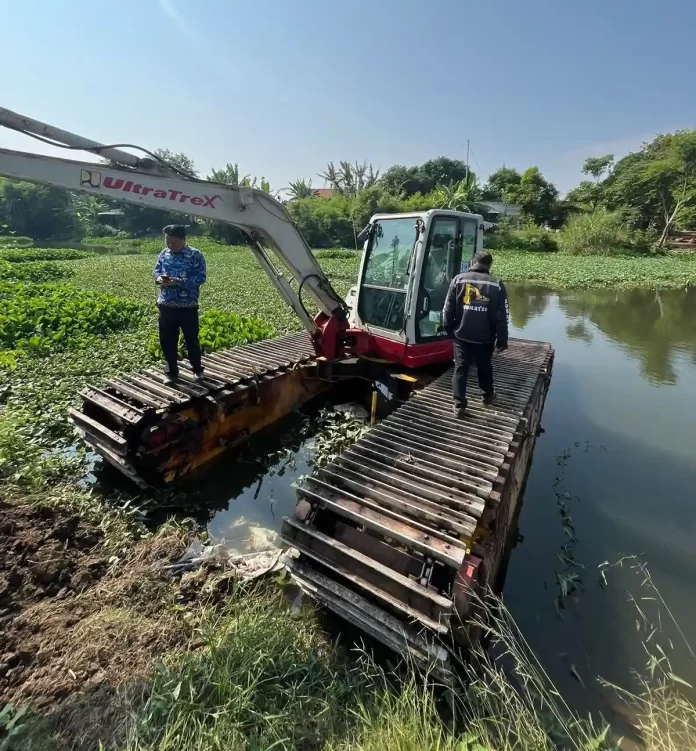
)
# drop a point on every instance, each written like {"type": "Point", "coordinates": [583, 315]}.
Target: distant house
{"type": "Point", "coordinates": [497, 210]}
{"type": "Point", "coordinates": [324, 192]}
{"type": "Point", "coordinates": [112, 217]}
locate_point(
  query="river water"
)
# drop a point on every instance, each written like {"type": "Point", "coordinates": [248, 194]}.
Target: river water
{"type": "Point", "coordinates": [621, 420]}
{"type": "Point", "coordinates": [624, 391]}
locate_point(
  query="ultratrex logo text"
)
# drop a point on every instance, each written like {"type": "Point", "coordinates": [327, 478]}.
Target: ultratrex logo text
{"type": "Point", "coordinates": [93, 179]}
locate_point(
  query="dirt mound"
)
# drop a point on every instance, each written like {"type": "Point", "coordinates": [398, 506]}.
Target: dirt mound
{"type": "Point", "coordinates": [80, 629]}
{"type": "Point", "coordinates": [43, 554]}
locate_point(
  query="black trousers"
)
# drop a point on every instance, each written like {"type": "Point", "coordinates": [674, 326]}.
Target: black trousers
{"type": "Point", "coordinates": [171, 321]}
{"type": "Point", "coordinates": [464, 354]}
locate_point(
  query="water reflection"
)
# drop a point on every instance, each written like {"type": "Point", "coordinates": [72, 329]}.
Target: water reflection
{"type": "Point", "coordinates": [526, 303]}
{"type": "Point", "coordinates": [249, 511]}
{"type": "Point", "coordinates": [651, 326]}
{"type": "Point", "coordinates": [625, 379]}
{"type": "Point", "coordinates": [580, 331]}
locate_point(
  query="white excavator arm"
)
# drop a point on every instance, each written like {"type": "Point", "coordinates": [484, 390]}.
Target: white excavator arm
{"type": "Point", "coordinates": [146, 182]}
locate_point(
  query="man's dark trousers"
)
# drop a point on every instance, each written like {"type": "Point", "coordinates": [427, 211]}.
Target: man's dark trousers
{"type": "Point", "coordinates": [171, 320]}
{"type": "Point", "coordinates": [464, 354]}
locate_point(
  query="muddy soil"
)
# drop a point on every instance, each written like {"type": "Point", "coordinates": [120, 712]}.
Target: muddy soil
{"type": "Point", "coordinates": [43, 554]}
{"type": "Point", "coordinates": [79, 629]}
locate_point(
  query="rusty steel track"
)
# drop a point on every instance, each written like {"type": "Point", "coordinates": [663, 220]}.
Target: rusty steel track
{"type": "Point", "coordinates": [119, 417]}
{"type": "Point", "coordinates": [391, 534]}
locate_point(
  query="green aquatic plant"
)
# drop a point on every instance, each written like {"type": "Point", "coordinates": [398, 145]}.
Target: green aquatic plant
{"type": "Point", "coordinates": [34, 318]}
{"type": "Point", "coordinates": [220, 329]}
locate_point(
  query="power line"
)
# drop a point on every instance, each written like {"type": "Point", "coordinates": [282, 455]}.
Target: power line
{"type": "Point", "coordinates": [473, 156]}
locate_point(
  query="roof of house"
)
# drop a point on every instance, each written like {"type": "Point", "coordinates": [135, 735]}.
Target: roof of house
{"type": "Point", "coordinates": [324, 192]}
{"type": "Point", "coordinates": [507, 209]}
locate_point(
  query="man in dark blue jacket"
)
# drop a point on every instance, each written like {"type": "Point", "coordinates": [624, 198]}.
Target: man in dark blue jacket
{"type": "Point", "coordinates": [476, 315]}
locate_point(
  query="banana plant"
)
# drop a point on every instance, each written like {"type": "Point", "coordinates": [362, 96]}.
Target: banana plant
{"type": "Point", "coordinates": [459, 196]}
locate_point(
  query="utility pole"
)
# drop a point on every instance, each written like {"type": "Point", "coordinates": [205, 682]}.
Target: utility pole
{"type": "Point", "coordinates": [467, 162]}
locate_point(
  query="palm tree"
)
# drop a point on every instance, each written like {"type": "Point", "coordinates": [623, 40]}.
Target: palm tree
{"type": "Point", "coordinates": [300, 189]}
{"type": "Point", "coordinates": [350, 179]}
{"type": "Point", "coordinates": [331, 176]}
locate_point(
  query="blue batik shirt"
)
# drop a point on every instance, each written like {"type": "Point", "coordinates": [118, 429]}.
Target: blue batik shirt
{"type": "Point", "coordinates": [188, 265]}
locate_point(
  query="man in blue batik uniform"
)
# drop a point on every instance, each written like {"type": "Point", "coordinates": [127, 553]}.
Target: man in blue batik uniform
{"type": "Point", "coordinates": [179, 273]}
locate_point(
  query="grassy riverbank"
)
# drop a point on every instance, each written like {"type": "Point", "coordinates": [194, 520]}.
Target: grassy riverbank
{"type": "Point", "coordinates": [558, 271]}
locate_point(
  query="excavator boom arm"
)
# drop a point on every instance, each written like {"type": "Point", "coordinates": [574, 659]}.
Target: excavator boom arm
{"type": "Point", "coordinates": [263, 219]}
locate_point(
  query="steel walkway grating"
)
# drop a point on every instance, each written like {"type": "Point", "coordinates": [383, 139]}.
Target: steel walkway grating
{"type": "Point", "coordinates": [393, 518]}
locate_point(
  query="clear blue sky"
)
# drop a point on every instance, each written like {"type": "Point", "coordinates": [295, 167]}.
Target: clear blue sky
{"type": "Point", "coordinates": [284, 86]}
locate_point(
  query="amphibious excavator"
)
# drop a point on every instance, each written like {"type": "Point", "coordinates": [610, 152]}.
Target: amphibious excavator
{"type": "Point", "coordinates": [397, 532]}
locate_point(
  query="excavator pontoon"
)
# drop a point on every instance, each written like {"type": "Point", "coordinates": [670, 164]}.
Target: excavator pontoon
{"type": "Point", "coordinates": [395, 533]}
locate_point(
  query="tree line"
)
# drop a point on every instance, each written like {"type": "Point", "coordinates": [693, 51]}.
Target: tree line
{"type": "Point", "coordinates": [652, 190]}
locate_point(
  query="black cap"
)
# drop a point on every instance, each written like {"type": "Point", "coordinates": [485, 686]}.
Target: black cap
{"type": "Point", "coordinates": [175, 230]}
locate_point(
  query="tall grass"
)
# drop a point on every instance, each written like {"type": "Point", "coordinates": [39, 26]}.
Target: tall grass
{"type": "Point", "coordinates": [258, 677]}
{"type": "Point", "coordinates": [599, 233]}
{"type": "Point", "coordinates": [267, 680]}
{"type": "Point", "coordinates": [336, 253]}
{"type": "Point", "coordinates": [263, 679]}
{"type": "Point", "coordinates": [664, 717]}
{"type": "Point", "coordinates": [518, 706]}
{"type": "Point", "coordinates": [406, 719]}
{"type": "Point", "coordinates": [27, 255]}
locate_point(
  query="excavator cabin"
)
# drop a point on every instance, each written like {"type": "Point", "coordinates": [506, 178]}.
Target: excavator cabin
{"type": "Point", "coordinates": [407, 265]}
